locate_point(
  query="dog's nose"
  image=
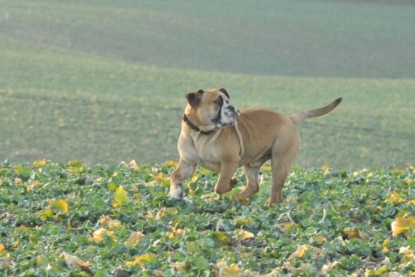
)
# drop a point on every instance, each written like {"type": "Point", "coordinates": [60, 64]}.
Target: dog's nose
{"type": "Point", "coordinates": [234, 111]}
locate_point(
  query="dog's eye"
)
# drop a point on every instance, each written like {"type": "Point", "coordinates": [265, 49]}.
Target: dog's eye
{"type": "Point", "coordinates": [219, 101]}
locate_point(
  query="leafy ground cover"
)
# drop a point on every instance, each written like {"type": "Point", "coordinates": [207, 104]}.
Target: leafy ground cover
{"type": "Point", "coordinates": [60, 219]}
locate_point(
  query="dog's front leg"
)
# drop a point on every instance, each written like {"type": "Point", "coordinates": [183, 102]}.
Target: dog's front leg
{"type": "Point", "coordinates": [224, 183]}
{"type": "Point", "coordinates": [183, 170]}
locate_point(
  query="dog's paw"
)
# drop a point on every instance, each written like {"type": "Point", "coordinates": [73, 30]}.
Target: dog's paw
{"type": "Point", "coordinates": [233, 182]}
{"type": "Point", "coordinates": [176, 192]}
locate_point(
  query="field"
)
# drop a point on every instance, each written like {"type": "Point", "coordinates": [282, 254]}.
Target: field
{"type": "Point", "coordinates": [62, 219]}
{"type": "Point", "coordinates": [87, 86]}
{"type": "Point", "coordinates": [104, 82]}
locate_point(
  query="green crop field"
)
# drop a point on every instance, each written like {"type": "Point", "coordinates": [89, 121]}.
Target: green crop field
{"type": "Point", "coordinates": [91, 101]}
{"type": "Point", "coordinates": [71, 219]}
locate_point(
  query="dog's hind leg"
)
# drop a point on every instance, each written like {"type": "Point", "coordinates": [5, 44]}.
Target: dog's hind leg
{"type": "Point", "coordinates": [282, 158]}
{"type": "Point", "coordinates": [251, 172]}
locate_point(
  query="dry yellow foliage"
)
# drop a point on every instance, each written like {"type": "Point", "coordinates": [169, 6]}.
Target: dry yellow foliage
{"type": "Point", "coordinates": [107, 221]}
{"type": "Point", "coordinates": [74, 262]}
{"type": "Point", "coordinates": [242, 234]}
{"type": "Point", "coordinates": [171, 164]}
{"type": "Point", "coordinates": [39, 163]}
{"type": "Point", "coordinates": [99, 234]}
{"type": "Point", "coordinates": [59, 205]}
{"type": "Point", "coordinates": [134, 239]}
{"type": "Point", "coordinates": [142, 260]}
{"type": "Point", "coordinates": [120, 197]}
{"type": "Point", "coordinates": [402, 225]}
{"type": "Point", "coordinates": [395, 198]}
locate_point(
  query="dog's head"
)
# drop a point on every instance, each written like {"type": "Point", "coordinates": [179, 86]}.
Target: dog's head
{"type": "Point", "coordinates": [210, 109]}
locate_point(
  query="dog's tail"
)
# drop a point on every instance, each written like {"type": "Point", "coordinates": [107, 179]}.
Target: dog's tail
{"type": "Point", "coordinates": [316, 112]}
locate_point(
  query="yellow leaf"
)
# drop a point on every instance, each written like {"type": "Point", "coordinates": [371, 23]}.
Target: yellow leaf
{"type": "Point", "coordinates": [33, 185]}
{"type": "Point", "coordinates": [134, 239]}
{"type": "Point", "coordinates": [40, 259]}
{"type": "Point", "coordinates": [385, 245]}
{"type": "Point", "coordinates": [402, 225]}
{"type": "Point", "coordinates": [74, 262]}
{"type": "Point", "coordinates": [46, 214]}
{"type": "Point", "coordinates": [39, 163]}
{"type": "Point", "coordinates": [75, 167]}
{"type": "Point", "coordinates": [75, 163]}
{"type": "Point", "coordinates": [159, 178]}
{"type": "Point", "coordinates": [242, 234]}
{"type": "Point", "coordinates": [107, 221]}
{"type": "Point", "coordinates": [179, 266]}
{"type": "Point", "coordinates": [411, 202]}
{"type": "Point", "coordinates": [408, 254]}
{"type": "Point", "coordinates": [402, 213]}
{"type": "Point", "coordinates": [192, 182]}
{"type": "Point", "coordinates": [321, 239]}
{"type": "Point", "coordinates": [133, 164]}
{"type": "Point", "coordinates": [104, 219]}
{"type": "Point", "coordinates": [395, 198]}
{"type": "Point", "coordinates": [243, 221]}
{"type": "Point", "coordinates": [325, 169]}
{"type": "Point", "coordinates": [160, 214]}
{"type": "Point", "coordinates": [36, 184]}
{"type": "Point", "coordinates": [99, 235]}
{"type": "Point", "coordinates": [22, 228]}
{"type": "Point", "coordinates": [59, 205]}
{"type": "Point", "coordinates": [382, 270]}
{"type": "Point", "coordinates": [142, 260]}
{"type": "Point", "coordinates": [303, 249]}
{"type": "Point", "coordinates": [171, 164]}
{"type": "Point", "coordinates": [120, 197]}
{"type": "Point", "coordinates": [222, 236]}
{"type": "Point", "coordinates": [326, 269]}
{"type": "Point", "coordinates": [353, 233]}
{"type": "Point", "coordinates": [232, 270]}
{"type": "Point", "coordinates": [194, 179]}
{"type": "Point", "coordinates": [149, 214]}
{"type": "Point", "coordinates": [289, 226]}
{"type": "Point", "coordinates": [177, 232]}
{"type": "Point", "coordinates": [112, 187]}
{"type": "Point", "coordinates": [299, 253]}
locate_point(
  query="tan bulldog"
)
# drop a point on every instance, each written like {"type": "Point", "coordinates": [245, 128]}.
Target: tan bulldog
{"type": "Point", "coordinates": [220, 138]}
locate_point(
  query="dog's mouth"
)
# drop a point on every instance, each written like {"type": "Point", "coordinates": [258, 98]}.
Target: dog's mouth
{"type": "Point", "coordinates": [226, 117]}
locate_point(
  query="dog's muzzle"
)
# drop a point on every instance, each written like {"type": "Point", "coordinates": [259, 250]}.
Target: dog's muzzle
{"type": "Point", "coordinates": [227, 116]}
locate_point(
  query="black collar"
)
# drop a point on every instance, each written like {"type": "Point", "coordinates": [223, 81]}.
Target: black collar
{"type": "Point", "coordinates": [194, 127]}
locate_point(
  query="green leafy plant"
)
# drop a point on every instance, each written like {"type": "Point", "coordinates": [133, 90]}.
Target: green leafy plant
{"type": "Point", "coordinates": [61, 219]}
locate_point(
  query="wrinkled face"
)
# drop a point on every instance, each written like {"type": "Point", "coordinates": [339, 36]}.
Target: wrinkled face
{"type": "Point", "coordinates": [211, 108]}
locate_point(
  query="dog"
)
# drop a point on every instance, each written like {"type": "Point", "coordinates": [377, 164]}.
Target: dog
{"type": "Point", "coordinates": [220, 138]}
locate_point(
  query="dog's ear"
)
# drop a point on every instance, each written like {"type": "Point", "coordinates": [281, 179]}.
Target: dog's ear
{"type": "Point", "coordinates": [225, 92]}
{"type": "Point", "coordinates": [194, 98]}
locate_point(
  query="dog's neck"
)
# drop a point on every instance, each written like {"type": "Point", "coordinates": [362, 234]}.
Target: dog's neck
{"type": "Point", "coordinates": [195, 128]}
